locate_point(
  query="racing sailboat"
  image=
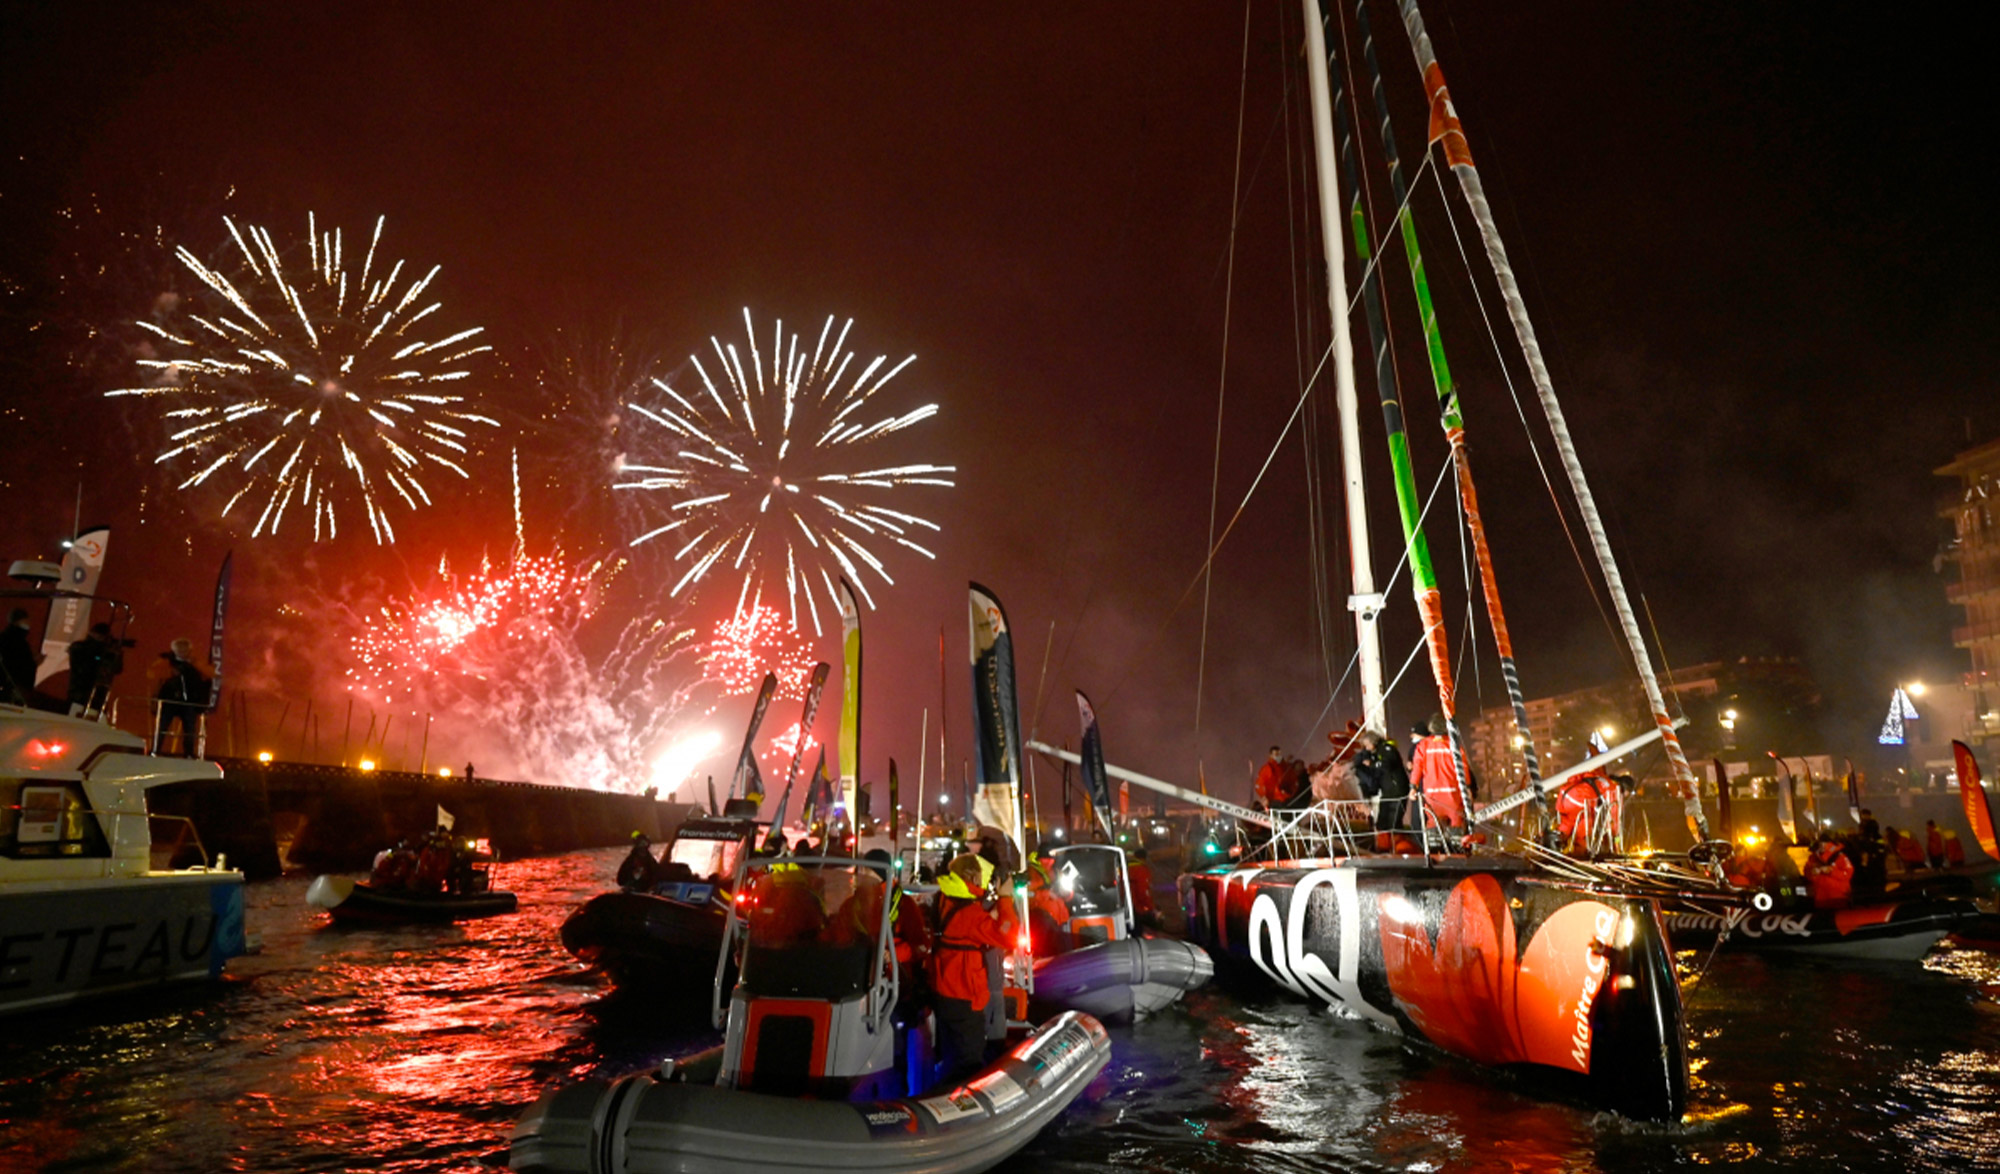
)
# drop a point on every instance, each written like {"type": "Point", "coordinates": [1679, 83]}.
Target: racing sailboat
{"type": "Point", "coordinates": [1563, 974]}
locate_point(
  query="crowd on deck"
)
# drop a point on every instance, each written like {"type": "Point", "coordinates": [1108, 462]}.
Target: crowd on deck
{"type": "Point", "coordinates": [949, 948]}
{"type": "Point", "coordinates": [434, 864]}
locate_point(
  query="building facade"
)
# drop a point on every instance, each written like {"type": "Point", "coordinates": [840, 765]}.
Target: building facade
{"type": "Point", "coordinates": [1967, 710]}
{"type": "Point", "coordinates": [1735, 709]}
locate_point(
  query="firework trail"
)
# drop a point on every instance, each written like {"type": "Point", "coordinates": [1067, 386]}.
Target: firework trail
{"type": "Point", "coordinates": [763, 472]}
{"type": "Point", "coordinates": [302, 385]}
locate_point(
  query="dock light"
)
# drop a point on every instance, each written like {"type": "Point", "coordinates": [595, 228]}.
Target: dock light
{"type": "Point", "coordinates": [263, 756]}
{"type": "Point", "coordinates": [444, 772]}
{"type": "Point", "coordinates": [367, 764]}
{"type": "Point", "coordinates": [1608, 732]}
{"type": "Point", "coordinates": [1916, 689]}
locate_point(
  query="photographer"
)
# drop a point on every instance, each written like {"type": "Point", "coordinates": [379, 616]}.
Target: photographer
{"type": "Point", "coordinates": [94, 663]}
{"type": "Point", "coordinates": [182, 693]}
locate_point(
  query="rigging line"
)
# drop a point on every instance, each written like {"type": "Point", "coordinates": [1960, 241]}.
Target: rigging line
{"type": "Point", "coordinates": [1222, 381]}
{"type": "Point", "coordinates": [1215, 545]}
{"type": "Point", "coordinates": [1661, 646]}
{"type": "Point", "coordinates": [1507, 376]}
{"type": "Point", "coordinates": [1395, 573]}
{"type": "Point", "coordinates": [1316, 577]}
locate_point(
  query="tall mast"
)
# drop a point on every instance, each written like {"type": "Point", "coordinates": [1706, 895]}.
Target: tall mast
{"type": "Point", "coordinates": [1447, 393]}
{"type": "Point", "coordinates": [1365, 602]}
{"type": "Point", "coordinates": [1423, 576]}
{"type": "Point", "coordinates": [1445, 129]}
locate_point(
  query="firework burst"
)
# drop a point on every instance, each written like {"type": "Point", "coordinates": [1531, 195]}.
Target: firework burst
{"type": "Point", "coordinates": [752, 642]}
{"type": "Point", "coordinates": [503, 654]}
{"type": "Point", "coordinates": [301, 385]}
{"type": "Point", "coordinates": [763, 472]}
{"type": "Point", "coordinates": [411, 640]}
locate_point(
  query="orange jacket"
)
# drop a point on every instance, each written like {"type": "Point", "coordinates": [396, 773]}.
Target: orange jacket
{"type": "Point", "coordinates": [958, 968]}
{"type": "Point", "coordinates": [1140, 875]}
{"type": "Point", "coordinates": [1832, 880]}
{"type": "Point", "coordinates": [1435, 772]}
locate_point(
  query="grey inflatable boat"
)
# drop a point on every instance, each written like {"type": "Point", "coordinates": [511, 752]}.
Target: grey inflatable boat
{"type": "Point", "coordinates": [643, 1125]}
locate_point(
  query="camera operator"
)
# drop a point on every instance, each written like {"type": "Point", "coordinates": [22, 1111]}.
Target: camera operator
{"type": "Point", "coordinates": [94, 663]}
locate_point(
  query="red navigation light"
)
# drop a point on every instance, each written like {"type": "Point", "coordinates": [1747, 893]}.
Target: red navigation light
{"type": "Point", "coordinates": [41, 749]}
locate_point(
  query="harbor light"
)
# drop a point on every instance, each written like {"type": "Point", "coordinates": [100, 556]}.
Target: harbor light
{"type": "Point", "coordinates": [444, 772]}
{"type": "Point", "coordinates": [367, 764]}
{"type": "Point", "coordinates": [263, 756]}
{"type": "Point", "coordinates": [1915, 689]}
{"type": "Point", "coordinates": [1607, 732]}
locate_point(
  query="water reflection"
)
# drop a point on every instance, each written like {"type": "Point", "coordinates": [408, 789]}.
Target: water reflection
{"type": "Point", "coordinates": [414, 1049]}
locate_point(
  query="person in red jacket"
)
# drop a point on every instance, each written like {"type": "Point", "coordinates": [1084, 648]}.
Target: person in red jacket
{"type": "Point", "coordinates": [970, 927]}
{"type": "Point", "coordinates": [1048, 916]}
{"type": "Point", "coordinates": [1272, 778]}
{"type": "Point", "coordinates": [1831, 875]}
{"type": "Point", "coordinates": [1139, 874]}
{"type": "Point", "coordinates": [1434, 771]}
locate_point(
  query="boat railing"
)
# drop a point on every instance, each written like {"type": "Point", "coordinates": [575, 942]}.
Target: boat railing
{"type": "Point", "coordinates": [1333, 828]}
{"type": "Point", "coordinates": [158, 740]}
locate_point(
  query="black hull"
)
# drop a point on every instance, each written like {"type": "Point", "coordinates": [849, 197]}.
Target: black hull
{"type": "Point", "coordinates": [363, 905]}
{"type": "Point", "coordinates": [647, 942]}
{"type": "Point", "coordinates": [1481, 958]}
{"type": "Point", "coordinates": [1898, 931]}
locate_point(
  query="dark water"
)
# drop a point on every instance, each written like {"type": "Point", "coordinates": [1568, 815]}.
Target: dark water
{"type": "Point", "coordinates": [414, 1049]}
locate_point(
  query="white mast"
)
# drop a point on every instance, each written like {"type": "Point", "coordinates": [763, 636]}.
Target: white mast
{"type": "Point", "coordinates": [1365, 602]}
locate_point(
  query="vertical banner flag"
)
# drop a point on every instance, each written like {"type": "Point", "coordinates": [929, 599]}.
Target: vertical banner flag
{"type": "Point", "coordinates": [1787, 818]}
{"type": "Point", "coordinates": [895, 808]}
{"type": "Point", "coordinates": [1853, 784]}
{"type": "Point", "coordinates": [996, 721]}
{"type": "Point", "coordinates": [850, 696]}
{"type": "Point", "coordinates": [215, 630]}
{"type": "Point", "coordinates": [747, 780]}
{"type": "Point", "coordinates": [1095, 784]}
{"type": "Point", "coordinates": [69, 619]}
{"type": "Point", "coordinates": [1978, 811]}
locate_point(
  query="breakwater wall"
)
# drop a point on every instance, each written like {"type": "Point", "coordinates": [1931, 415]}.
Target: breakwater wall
{"type": "Point", "coordinates": [278, 816]}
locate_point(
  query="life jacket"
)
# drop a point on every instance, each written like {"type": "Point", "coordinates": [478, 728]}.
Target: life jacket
{"type": "Point", "coordinates": [784, 908]}
{"type": "Point", "coordinates": [1831, 879]}
{"type": "Point", "coordinates": [958, 962]}
{"type": "Point", "coordinates": [1576, 807]}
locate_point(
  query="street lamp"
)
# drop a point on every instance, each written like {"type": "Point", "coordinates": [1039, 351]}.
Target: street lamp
{"type": "Point", "coordinates": [1914, 688]}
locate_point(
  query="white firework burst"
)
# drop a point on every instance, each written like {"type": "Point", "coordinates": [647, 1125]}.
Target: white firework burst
{"type": "Point", "coordinates": [301, 385]}
{"type": "Point", "coordinates": [762, 471]}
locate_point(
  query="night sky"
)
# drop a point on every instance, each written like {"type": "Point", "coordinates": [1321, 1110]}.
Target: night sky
{"type": "Point", "coordinates": [1756, 239]}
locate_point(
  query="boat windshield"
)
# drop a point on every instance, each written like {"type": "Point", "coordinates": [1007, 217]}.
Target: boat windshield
{"type": "Point", "coordinates": [812, 930]}
{"type": "Point", "coordinates": [710, 860]}
{"type": "Point", "coordinates": [1087, 877]}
